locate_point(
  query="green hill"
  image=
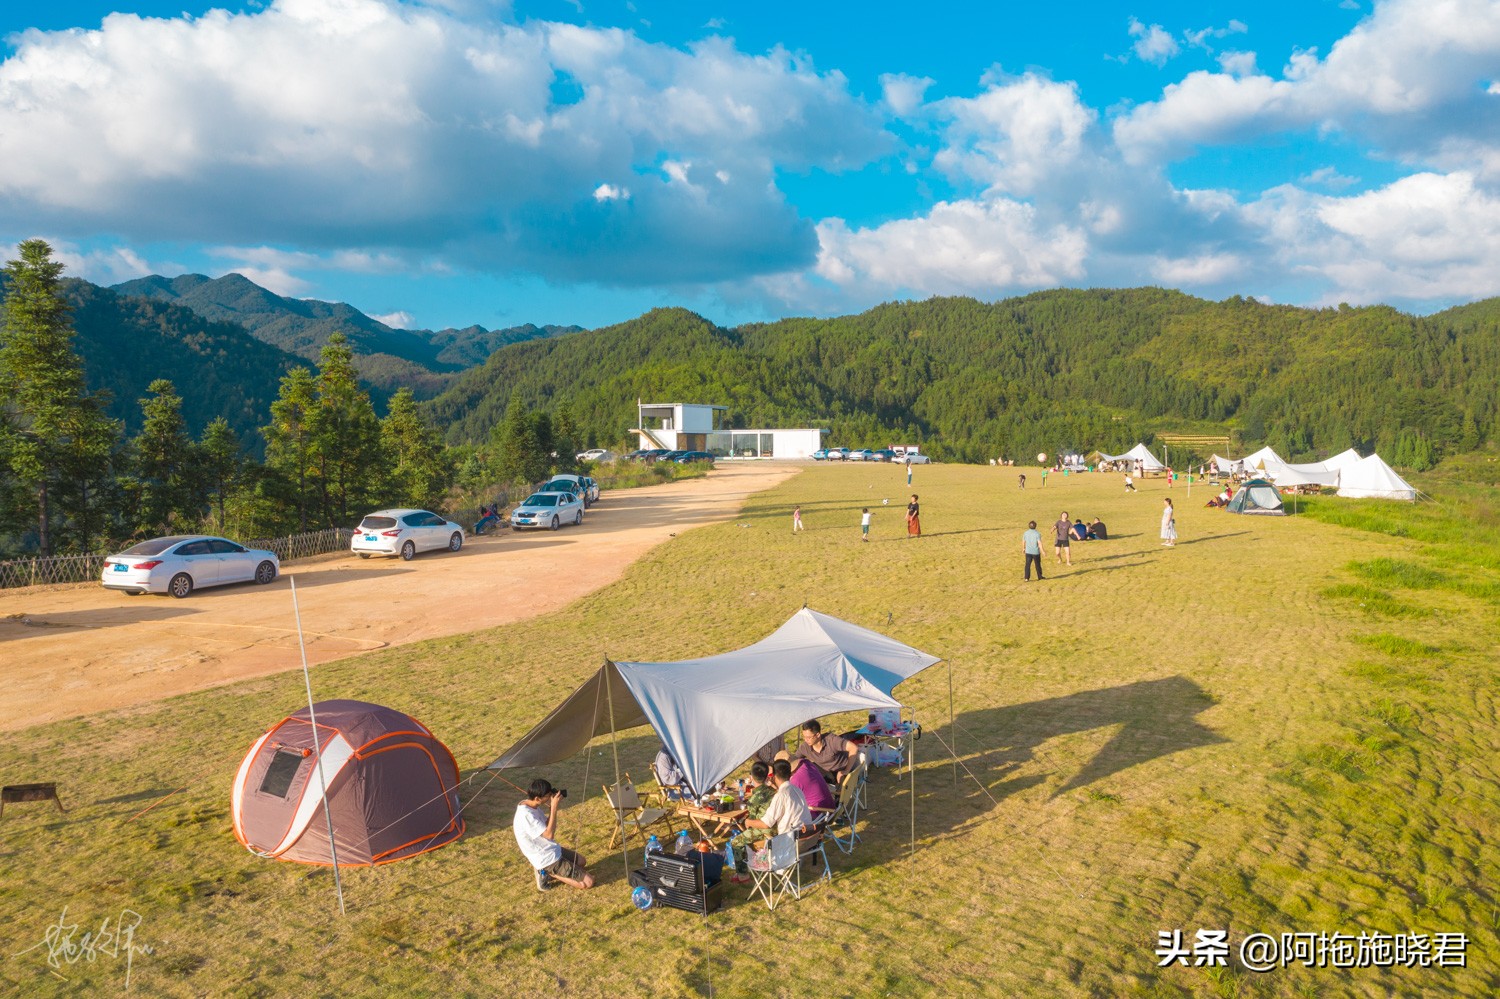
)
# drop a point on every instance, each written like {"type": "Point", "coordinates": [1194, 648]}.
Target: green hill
{"type": "Point", "coordinates": [1055, 369]}
{"type": "Point", "coordinates": [218, 368]}
{"type": "Point", "coordinates": [389, 358]}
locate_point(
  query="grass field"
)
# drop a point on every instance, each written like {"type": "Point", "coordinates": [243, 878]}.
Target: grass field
{"type": "Point", "coordinates": [1281, 725]}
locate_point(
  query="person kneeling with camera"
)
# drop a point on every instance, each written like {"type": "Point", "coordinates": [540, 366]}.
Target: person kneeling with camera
{"type": "Point", "coordinates": [536, 835]}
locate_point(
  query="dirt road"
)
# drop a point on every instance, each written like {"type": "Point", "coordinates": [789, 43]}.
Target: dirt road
{"type": "Point", "coordinates": [73, 650]}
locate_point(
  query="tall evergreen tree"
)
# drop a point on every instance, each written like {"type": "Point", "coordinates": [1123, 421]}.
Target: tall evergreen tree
{"type": "Point", "coordinates": [165, 461]}
{"type": "Point", "coordinates": [418, 471]}
{"type": "Point", "coordinates": [57, 430]}
{"type": "Point", "coordinates": [290, 442]}
{"type": "Point", "coordinates": [346, 436]}
{"type": "Point", "coordinates": [518, 445]}
{"type": "Point", "coordinates": [221, 465]}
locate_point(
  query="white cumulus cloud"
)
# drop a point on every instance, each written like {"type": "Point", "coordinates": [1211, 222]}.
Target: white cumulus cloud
{"type": "Point", "coordinates": [1153, 43]}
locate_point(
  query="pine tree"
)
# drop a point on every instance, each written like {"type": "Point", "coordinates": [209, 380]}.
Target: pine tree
{"type": "Point", "coordinates": [221, 465]}
{"type": "Point", "coordinates": [290, 445]}
{"type": "Point", "coordinates": [419, 471]}
{"type": "Point", "coordinates": [165, 460]}
{"type": "Point", "coordinates": [346, 435]}
{"type": "Point", "coordinates": [57, 431]}
{"type": "Point", "coordinates": [518, 449]}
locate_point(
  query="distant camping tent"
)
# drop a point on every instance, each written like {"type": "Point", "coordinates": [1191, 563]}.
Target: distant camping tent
{"type": "Point", "coordinates": [1257, 496]}
{"type": "Point", "coordinates": [1313, 474]}
{"type": "Point", "coordinates": [392, 788]}
{"type": "Point", "coordinates": [1372, 478]}
{"type": "Point", "coordinates": [714, 713]}
{"type": "Point", "coordinates": [1135, 454]}
{"type": "Point", "coordinates": [1228, 466]}
{"type": "Point", "coordinates": [1266, 456]}
{"type": "Point", "coordinates": [1342, 460]}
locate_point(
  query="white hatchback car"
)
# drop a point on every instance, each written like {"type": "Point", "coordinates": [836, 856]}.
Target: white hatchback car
{"type": "Point", "coordinates": [548, 510]}
{"type": "Point", "coordinates": [183, 563]}
{"type": "Point", "coordinates": [404, 533]}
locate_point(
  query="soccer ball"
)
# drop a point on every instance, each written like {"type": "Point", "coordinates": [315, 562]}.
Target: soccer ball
{"type": "Point", "coordinates": [1041, 458]}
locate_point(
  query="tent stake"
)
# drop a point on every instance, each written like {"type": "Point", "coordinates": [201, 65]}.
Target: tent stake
{"type": "Point", "coordinates": [312, 718]}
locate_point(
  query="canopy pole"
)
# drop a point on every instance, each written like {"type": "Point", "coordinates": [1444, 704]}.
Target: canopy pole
{"type": "Point", "coordinates": [312, 718]}
{"type": "Point", "coordinates": [952, 727]}
{"type": "Point", "coordinates": [615, 750]}
{"type": "Point", "coordinates": [911, 768]}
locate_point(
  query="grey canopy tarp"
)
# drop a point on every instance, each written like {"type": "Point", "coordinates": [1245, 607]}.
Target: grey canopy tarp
{"type": "Point", "coordinates": [714, 713]}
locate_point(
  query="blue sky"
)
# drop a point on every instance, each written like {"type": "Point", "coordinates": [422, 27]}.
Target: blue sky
{"type": "Point", "coordinates": [450, 162]}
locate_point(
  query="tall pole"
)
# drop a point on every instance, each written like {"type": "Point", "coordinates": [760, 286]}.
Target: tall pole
{"type": "Point", "coordinates": [952, 727]}
{"type": "Point", "coordinates": [312, 717]}
{"type": "Point", "coordinates": [614, 748]}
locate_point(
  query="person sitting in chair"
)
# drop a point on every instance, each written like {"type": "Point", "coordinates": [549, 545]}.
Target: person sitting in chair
{"type": "Point", "coordinates": [669, 775]}
{"type": "Point", "coordinates": [815, 790]}
{"type": "Point", "coordinates": [787, 811]}
{"type": "Point", "coordinates": [756, 803]}
{"type": "Point", "coordinates": [832, 754]}
{"type": "Point", "coordinates": [536, 835]}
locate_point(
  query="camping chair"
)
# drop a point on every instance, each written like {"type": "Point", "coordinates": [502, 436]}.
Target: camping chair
{"type": "Point", "coordinates": [631, 813]}
{"type": "Point", "coordinates": [844, 813]}
{"type": "Point", "coordinates": [810, 845]}
{"type": "Point", "coordinates": [773, 870]}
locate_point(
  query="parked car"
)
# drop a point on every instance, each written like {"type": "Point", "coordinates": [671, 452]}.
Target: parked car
{"type": "Point", "coordinates": [688, 457]}
{"type": "Point", "coordinates": [864, 454]}
{"type": "Point", "coordinates": [884, 454]}
{"type": "Point", "coordinates": [837, 454]}
{"type": "Point", "coordinates": [550, 510]}
{"type": "Point", "coordinates": [596, 454]}
{"type": "Point", "coordinates": [917, 459]}
{"type": "Point", "coordinates": [584, 486]}
{"type": "Point", "coordinates": [405, 532]}
{"type": "Point", "coordinates": [185, 562]}
{"type": "Point", "coordinates": [654, 454]}
{"type": "Point", "coordinates": [821, 454]}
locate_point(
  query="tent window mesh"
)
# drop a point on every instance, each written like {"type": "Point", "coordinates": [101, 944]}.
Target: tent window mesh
{"type": "Point", "coordinates": [279, 774]}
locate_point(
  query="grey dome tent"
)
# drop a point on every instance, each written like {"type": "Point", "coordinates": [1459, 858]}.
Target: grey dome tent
{"type": "Point", "coordinates": [392, 788]}
{"type": "Point", "coordinates": [1257, 496]}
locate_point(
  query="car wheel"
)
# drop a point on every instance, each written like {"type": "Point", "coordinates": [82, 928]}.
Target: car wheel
{"type": "Point", "coordinates": [456, 542]}
{"type": "Point", "coordinates": [555, 522]}
{"type": "Point", "coordinates": [363, 554]}
{"type": "Point", "coordinates": [578, 518]}
{"type": "Point", "coordinates": [408, 551]}
{"type": "Point", "coordinates": [265, 572]}
{"type": "Point", "coordinates": [181, 585]}
{"type": "Point", "coordinates": [131, 593]}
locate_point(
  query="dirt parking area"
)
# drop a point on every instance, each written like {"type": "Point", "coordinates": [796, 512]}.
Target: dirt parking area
{"type": "Point", "coordinates": [74, 650]}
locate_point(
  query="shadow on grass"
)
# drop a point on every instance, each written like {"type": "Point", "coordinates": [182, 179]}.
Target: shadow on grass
{"type": "Point", "coordinates": [1209, 537]}
{"type": "Point", "coordinates": [1156, 718]}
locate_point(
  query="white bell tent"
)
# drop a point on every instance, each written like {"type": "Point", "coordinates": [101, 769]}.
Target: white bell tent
{"type": "Point", "coordinates": [1139, 453]}
{"type": "Point", "coordinates": [1372, 478]}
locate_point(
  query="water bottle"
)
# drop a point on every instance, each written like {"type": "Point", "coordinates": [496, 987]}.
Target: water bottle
{"type": "Point", "coordinates": [684, 844]}
{"type": "Point", "coordinates": [653, 845]}
{"type": "Point", "coordinates": [729, 855]}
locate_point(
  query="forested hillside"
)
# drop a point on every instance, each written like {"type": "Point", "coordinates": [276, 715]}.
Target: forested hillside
{"type": "Point", "coordinates": [388, 358]}
{"type": "Point", "coordinates": [1056, 369]}
{"type": "Point", "coordinates": [127, 343]}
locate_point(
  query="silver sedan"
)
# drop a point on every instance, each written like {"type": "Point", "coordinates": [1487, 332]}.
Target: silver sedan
{"type": "Point", "coordinates": [183, 563]}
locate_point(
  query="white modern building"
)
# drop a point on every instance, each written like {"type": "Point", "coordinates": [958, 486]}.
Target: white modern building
{"type": "Point", "coordinates": [686, 426]}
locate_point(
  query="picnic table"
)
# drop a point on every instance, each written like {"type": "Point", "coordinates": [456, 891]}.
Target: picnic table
{"type": "Point", "coordinates": [724, 824]}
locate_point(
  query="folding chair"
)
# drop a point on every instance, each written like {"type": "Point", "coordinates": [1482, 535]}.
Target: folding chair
{"type": "Point", "coordinates": [844, 813]}
{"type": "Point", "coordinates": [631, 813]}
{"type": "Point", "coordinates": [810, 845]}
{"type": "Point", "coordinates": [773, 870]}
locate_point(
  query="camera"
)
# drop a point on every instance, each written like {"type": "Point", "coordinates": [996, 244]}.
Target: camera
{"type": "Point", "coordinates": [560, 792]}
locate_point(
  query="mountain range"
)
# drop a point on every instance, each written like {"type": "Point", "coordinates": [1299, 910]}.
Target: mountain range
{"type": "Point", "coordinates": [388, 358]}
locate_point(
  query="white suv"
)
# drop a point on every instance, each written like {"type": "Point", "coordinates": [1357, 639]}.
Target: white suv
{"type": "Point", "coordinates": [404, 533]}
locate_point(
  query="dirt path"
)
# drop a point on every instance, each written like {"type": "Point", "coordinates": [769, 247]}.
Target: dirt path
{"type": "Point", "coordinates": [74, 650]}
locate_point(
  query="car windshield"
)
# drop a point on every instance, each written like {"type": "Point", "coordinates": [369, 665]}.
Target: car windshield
{"type": "Point", "coordinates": [541, 499]}
{"type": "Point", "coordinates": [153, 547]}
{"type": "Point", "coordinates": [561, 486]}
{"type": "Point", "coordinates": [377, 523]}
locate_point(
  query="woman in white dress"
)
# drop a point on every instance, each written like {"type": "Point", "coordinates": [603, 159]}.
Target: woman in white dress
{"type": "Point", "coordinates": [1168, 525]}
